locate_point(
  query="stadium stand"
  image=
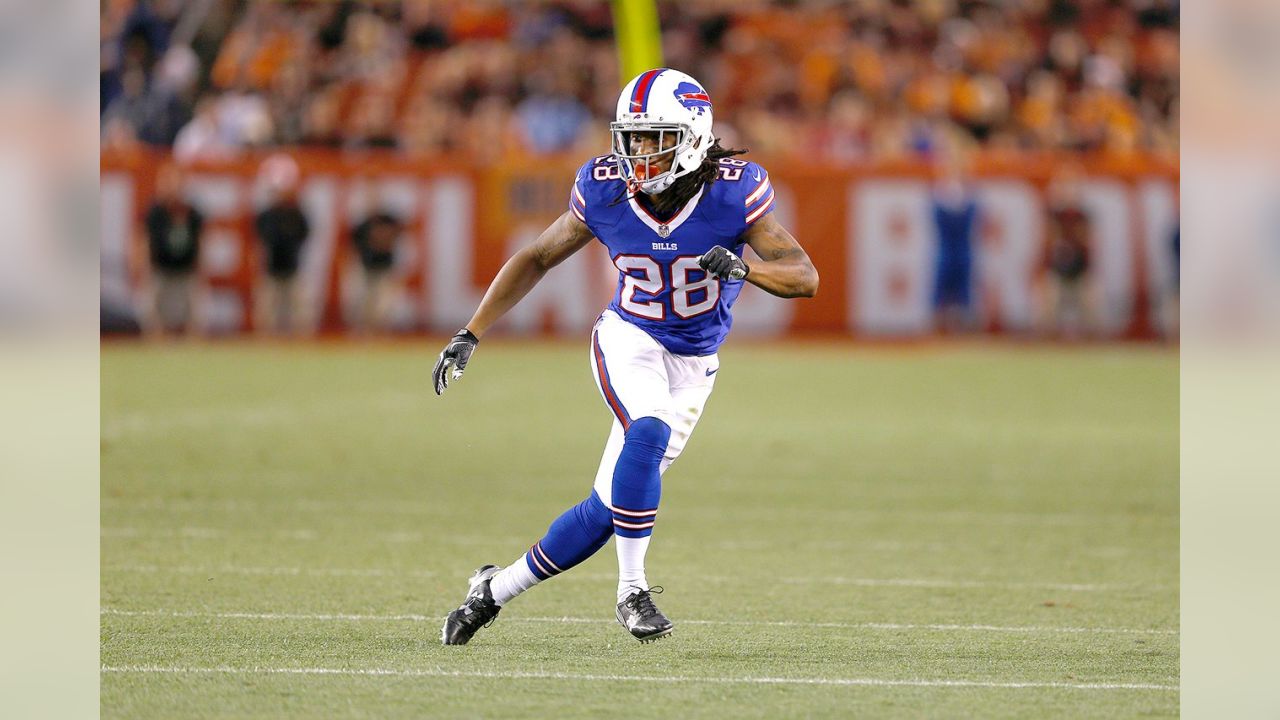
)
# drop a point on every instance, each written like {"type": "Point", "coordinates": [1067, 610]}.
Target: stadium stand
{"type": "Point", "coordinates": [844, 81]}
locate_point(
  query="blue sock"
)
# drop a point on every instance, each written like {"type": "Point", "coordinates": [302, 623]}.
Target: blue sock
{"type": "Point", "coordinates": [573, 537]}
{"type": "Point", "coordinates": [637, 482]}
{"type": "Point", "coordinates": [637, 487]}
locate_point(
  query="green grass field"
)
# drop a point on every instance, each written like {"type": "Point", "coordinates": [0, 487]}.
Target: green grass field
{"type": "Point", "coordinates": [943, 531]}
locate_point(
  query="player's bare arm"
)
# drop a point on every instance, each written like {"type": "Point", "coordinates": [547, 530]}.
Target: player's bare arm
{"type": "Point", "coordinates": [517, 277]}
{"type": "Point", "coordinates": [522, 271]}
{"type": "Point", "coordinates": [784, 268]}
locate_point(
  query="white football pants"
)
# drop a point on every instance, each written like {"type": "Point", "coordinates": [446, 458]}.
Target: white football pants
{"type": "Point", "coordinates": [638, 377]}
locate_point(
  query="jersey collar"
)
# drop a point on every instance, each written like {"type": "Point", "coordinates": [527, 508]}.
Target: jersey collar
{"type": "Point", "coordinates": [663, 229]}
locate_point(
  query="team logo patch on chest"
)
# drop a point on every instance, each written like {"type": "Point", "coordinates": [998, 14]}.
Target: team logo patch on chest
{"type": "Point", "coordinates": [665, 246]}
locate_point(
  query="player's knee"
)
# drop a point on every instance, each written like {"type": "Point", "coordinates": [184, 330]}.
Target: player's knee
{"type": "Point", "coordinates": [648, 437]}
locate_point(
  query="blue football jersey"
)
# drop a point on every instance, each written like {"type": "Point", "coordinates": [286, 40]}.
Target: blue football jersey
{"type": "Point", "coordinates": [661, 289]}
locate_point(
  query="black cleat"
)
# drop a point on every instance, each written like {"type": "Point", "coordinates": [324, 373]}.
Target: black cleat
{"type": "Point", "coordinates": [642, 618]}
{"type": "Point", "coordinates": [477, 610]}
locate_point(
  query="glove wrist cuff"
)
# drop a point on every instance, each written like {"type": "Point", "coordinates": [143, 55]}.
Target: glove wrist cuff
{"type": "Point", "coordinates": [468, 335]}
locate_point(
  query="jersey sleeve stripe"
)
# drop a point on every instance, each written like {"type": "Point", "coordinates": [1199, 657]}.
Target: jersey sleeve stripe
{"type": "Point", "coordinates": [578, 204]}
{"type": "Point", "coordinates": [758, 212]}
{"type": "Point", "coordinates": [755, 205]}
{"type": "Point", "coordinates": [760, 190]}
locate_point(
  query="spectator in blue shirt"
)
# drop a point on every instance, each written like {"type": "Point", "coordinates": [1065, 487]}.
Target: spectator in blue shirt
{"type": "Point", "coordinates": [954, 212]}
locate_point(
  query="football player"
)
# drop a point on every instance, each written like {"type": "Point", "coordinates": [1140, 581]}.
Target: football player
{"type": "Point", "coordinates": [674, 209]}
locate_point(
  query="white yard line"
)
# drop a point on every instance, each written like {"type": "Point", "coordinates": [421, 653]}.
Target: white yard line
{"type": "Point", "coordinates": [299, 534]}
{"type": "Point", "coordinates": [251, 506]}
{"type": "Point", "coordinates": [580, 620]}
{"type": "Point", "coordinates": [285, 571]}
{"type": "Point", "coordinates": [440, 672]}
{"type": "Point", "coordinates": [802, 580]}
{"type": "Point", "coordinates": [403, 506]}
{"type": "Point", "coordinates": [923, 583]}
{"type": "Point", "coordinates": [418, 536]}
{"type": "Point", "coordinates": [194, 533]}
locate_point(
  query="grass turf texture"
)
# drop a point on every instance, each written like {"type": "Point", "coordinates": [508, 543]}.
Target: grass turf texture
{"type": "Point", "coordinates": [844, 522]}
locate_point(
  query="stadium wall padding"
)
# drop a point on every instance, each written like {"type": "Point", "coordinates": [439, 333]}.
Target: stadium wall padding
{"type": "Point", "coordinates": [867, 229]}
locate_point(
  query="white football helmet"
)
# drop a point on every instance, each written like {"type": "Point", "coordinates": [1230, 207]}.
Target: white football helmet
{"type": "Point", "coordinates": [669, 104]}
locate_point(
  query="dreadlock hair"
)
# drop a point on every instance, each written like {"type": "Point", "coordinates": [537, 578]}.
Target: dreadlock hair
{"type": "Point", "coordinates": [683, 189]}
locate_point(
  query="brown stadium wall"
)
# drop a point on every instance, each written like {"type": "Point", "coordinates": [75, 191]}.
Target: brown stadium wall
{"type": "Point", "coordinates": [868, 230]}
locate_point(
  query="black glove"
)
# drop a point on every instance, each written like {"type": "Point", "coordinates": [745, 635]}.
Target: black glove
{"type": "Point", "coordinates": [723, 264]}
{"type": "Point", "coordinates": [453, 359]}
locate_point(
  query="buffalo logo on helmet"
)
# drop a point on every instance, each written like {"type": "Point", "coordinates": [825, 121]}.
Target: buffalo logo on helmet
{"type": "Point", "coordinates": [692, 97]}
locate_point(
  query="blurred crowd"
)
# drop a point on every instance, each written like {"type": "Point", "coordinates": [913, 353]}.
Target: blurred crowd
{"type": "Point", "coordinates": [846, 82]}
